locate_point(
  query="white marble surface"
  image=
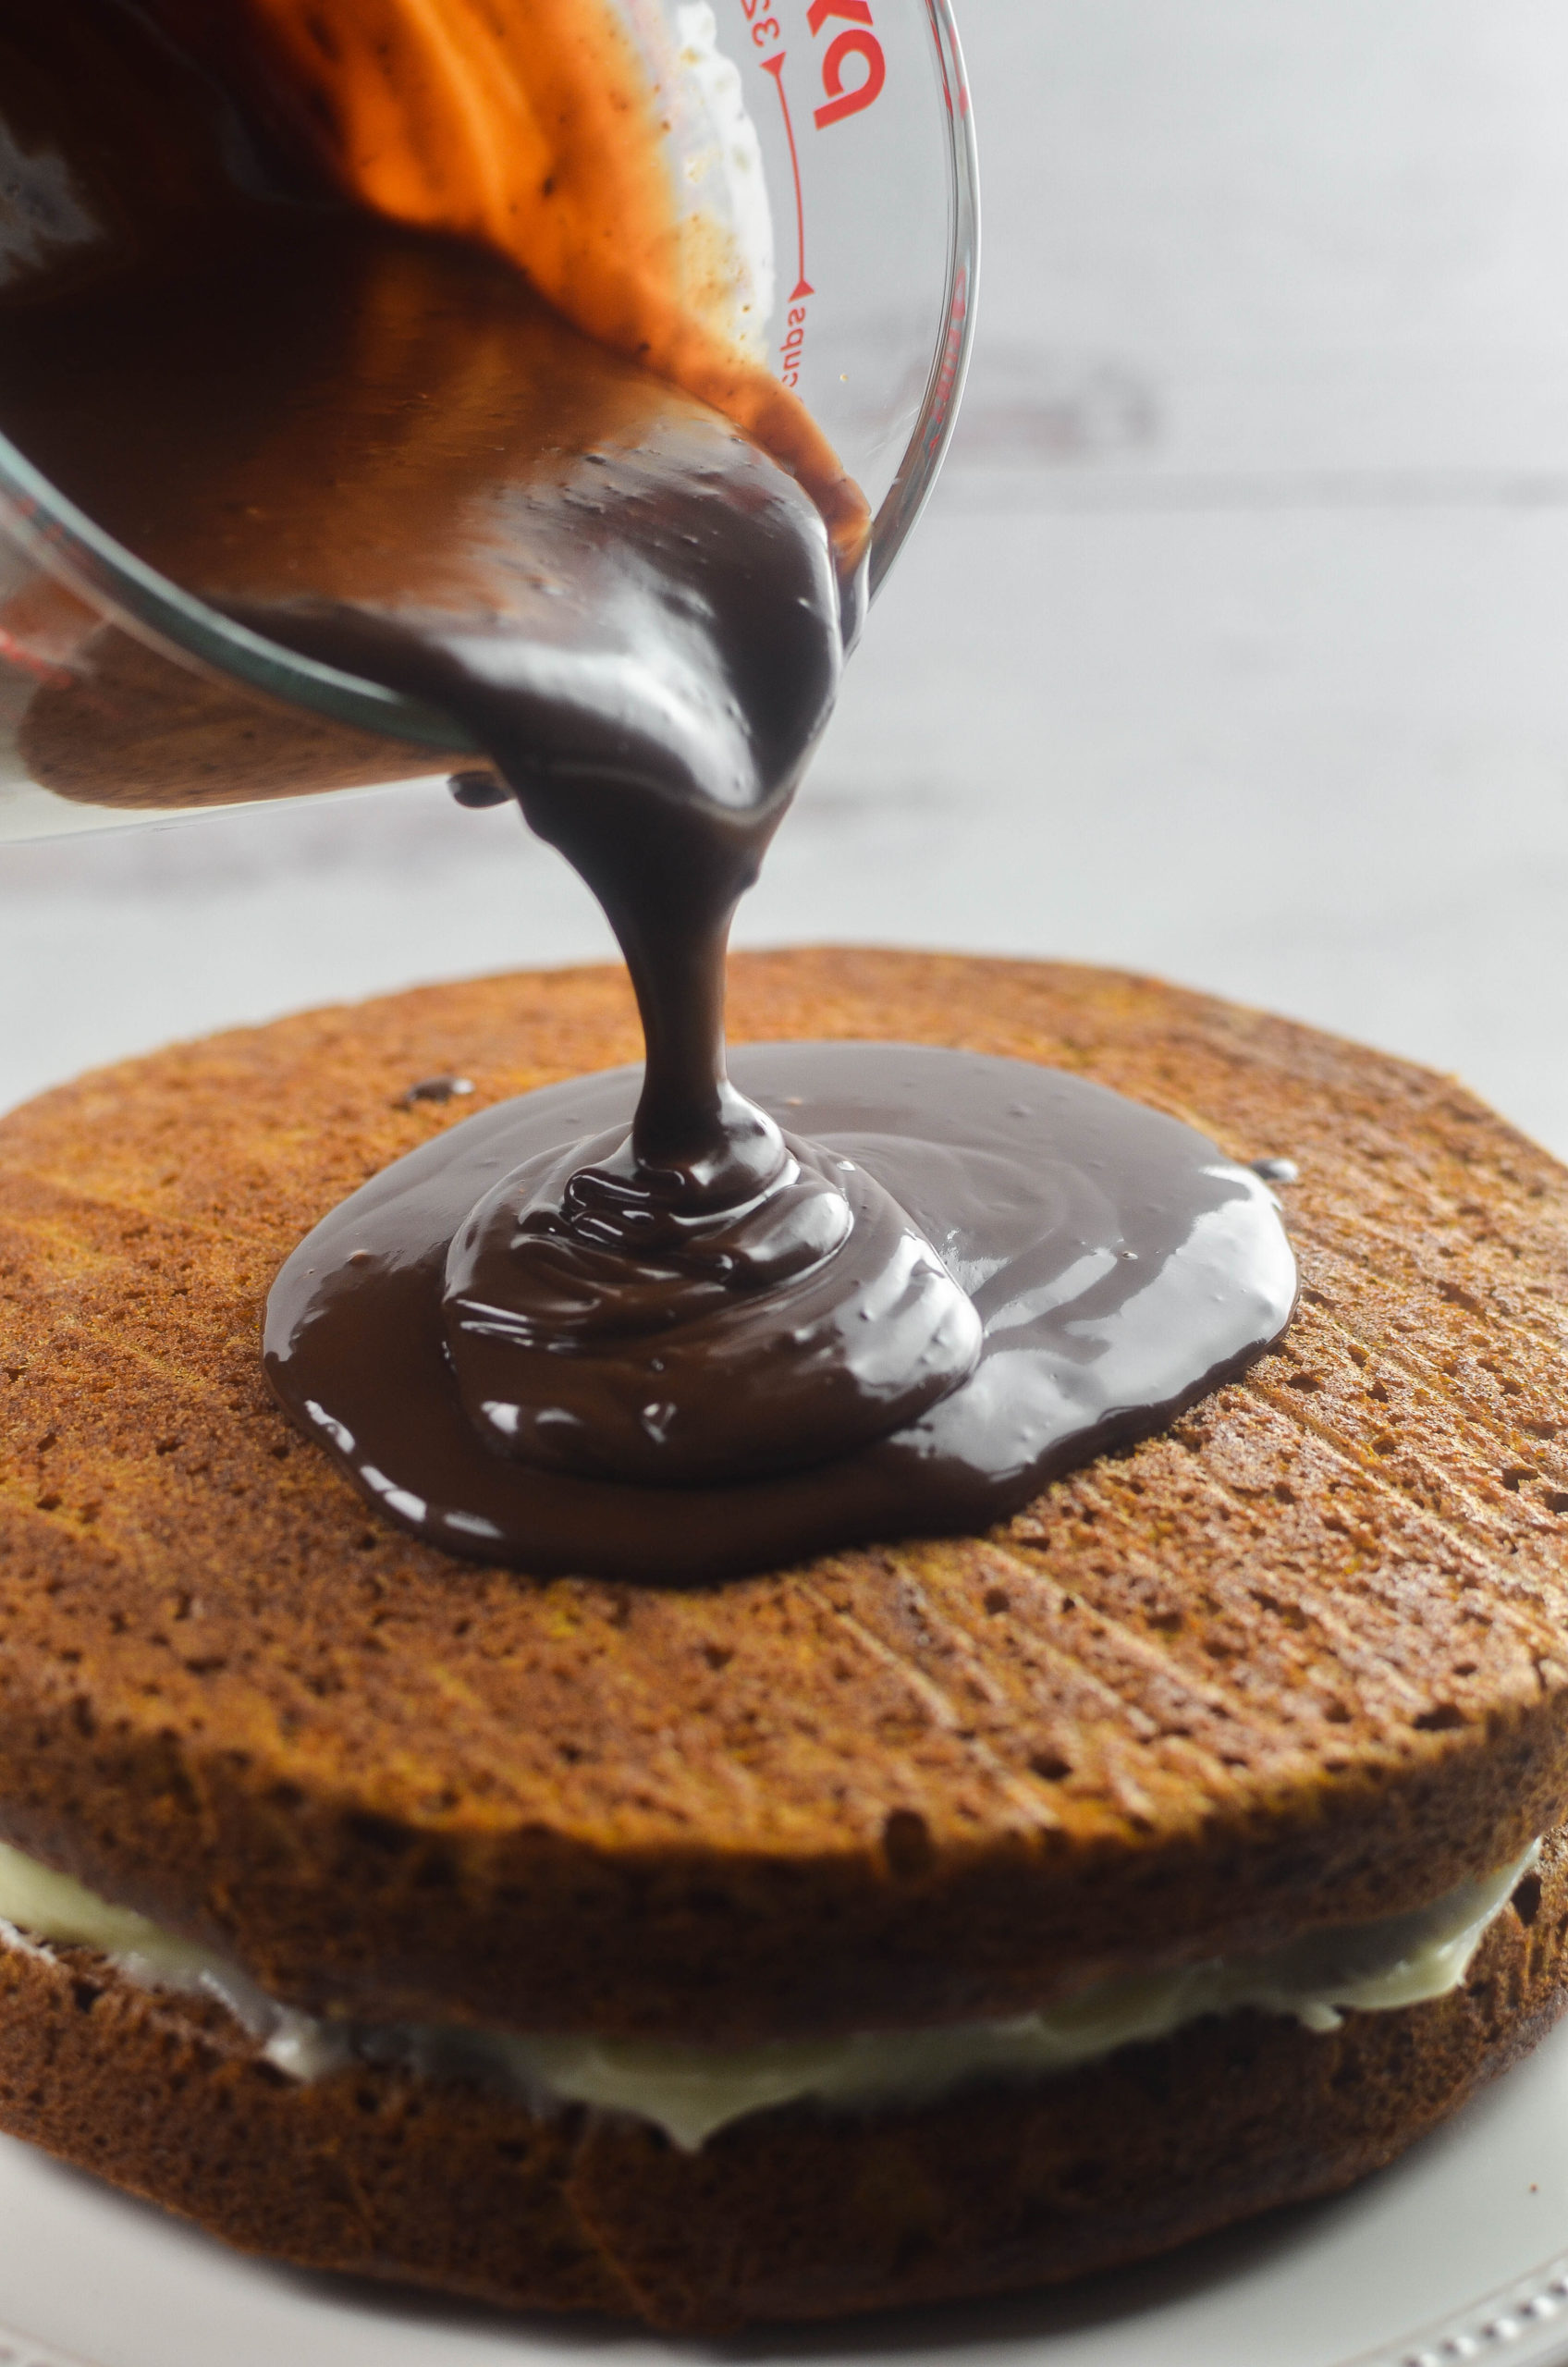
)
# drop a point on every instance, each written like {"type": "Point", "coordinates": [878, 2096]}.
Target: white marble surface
{"type": "Point", "coordinates": [1235, 646]}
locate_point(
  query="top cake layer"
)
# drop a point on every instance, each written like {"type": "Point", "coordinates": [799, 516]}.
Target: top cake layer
{"type": "Point", "coordinates": [1298, 1663]}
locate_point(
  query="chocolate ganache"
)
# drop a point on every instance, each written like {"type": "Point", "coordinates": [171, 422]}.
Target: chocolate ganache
{"type": "Point", "coordinates": [666, 1325]}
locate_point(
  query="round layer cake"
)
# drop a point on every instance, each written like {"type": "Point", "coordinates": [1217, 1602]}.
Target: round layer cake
{"type": "Point", "coordinates": [420, 1877]}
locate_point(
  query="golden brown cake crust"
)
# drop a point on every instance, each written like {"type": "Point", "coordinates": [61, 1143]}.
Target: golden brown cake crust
{"type": "Point", "coordinates": [1300, 1661]}
{"type": "Point", "coordinates": [794, 2213]}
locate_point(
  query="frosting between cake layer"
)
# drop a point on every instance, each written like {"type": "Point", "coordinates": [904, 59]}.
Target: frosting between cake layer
{"type": "Point", "coordinates": [692, 2092]}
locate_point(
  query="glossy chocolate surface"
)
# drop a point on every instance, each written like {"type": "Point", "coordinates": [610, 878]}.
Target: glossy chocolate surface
{"type": "Point", "coordinates": [1120, 1267]}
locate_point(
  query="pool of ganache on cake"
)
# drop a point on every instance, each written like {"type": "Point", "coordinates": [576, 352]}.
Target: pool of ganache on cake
{"type": "Point", "coordinates": [1115, 1264]}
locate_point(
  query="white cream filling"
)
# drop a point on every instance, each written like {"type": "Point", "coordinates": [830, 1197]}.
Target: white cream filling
{"type": "Point", "coordinates": [690, 2092]}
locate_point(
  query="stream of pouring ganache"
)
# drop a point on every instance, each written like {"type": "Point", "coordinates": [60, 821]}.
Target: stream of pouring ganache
{"type": "Point", "coordinates": [380, 449]}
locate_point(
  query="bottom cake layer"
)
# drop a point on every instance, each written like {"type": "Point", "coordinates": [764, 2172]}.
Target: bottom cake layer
{"type": "Point", "coordinates": [798, 2213]}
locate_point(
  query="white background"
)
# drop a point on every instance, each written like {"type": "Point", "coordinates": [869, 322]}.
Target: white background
{"type": "Point", "coordinates": [1235, 646]}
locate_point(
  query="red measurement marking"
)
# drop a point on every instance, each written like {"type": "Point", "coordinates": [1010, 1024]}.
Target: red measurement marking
{"type": "Point", "coordinates": [947, 377]}
{"type": "Point", "coordinates": [775, 66]}
{"type": "Point", "coordinates": [852, 99]}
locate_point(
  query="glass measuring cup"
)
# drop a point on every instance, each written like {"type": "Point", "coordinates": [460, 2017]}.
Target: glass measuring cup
{"type": "Point", "coordinates": [829, 141]}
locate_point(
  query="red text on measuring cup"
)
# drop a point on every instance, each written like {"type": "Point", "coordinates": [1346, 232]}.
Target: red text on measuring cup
{"type": "Point", "coordinates": [857, 41]}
